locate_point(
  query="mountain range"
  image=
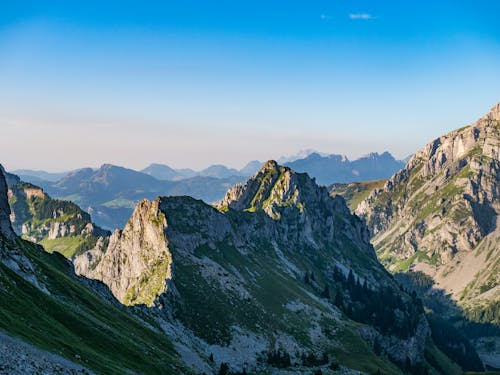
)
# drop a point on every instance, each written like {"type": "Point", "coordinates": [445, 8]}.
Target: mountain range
{"type": "Point", "coordinates": [329, 169]}
{"type": "Point", "coordinates": [161, 172]}
{"type": "Point", "coordinates": [164, 172]}
{"type": "Point", "coordinates": [277, 271]}
{"type": "Point", "coordinates": [326, 168]}
{"type": "Point", "coordinates": [110, 192]}
{"type": "Point", "coordinates": [277, 275]}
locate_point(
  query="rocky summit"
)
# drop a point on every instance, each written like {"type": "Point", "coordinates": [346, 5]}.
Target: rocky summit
{"type": "Point", "coordinates": [136, 263]}
{"type": "Point", "coordinates": [440, 214]}
{"type": "Point", "coordinates": [276, 275]}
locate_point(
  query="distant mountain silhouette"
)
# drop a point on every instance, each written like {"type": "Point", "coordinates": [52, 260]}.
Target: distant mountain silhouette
{"type": "Point", "coordinates": [167, 173]}
{"type": "Point", "coordinates": [334, 168]}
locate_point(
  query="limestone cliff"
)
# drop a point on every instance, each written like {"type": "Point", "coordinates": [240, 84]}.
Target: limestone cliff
{"type": "Point", "coordinates": [136, 264]}
{"type": "Point", "coordinates": [440, 214]}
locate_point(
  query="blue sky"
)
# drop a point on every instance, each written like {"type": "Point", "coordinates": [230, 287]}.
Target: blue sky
{"type": "Point", "coordinates": [192, 83]}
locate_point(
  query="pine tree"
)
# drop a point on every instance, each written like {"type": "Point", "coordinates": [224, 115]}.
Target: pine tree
{"type": "Point", "coordinates": [326, 292]}
{"type": "Point", "coordinates": [377, 348]}
{"type": "Point", "coordinates": [224, 368]}
{"type": "Point", "coordinates": [350, 280]}
{"type": "Point", "coordinates": [339, 300]}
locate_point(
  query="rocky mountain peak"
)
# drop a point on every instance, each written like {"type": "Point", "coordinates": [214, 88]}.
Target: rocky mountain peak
{"type": "Point", "coordinates": [302, 209]}
{"type": "Point", "coordinates": [276, 190]}
{"type": "Point", "coordinates": [136, 264]}
{"type": "Point", "coordinates": [270, 165]}
{"type": "Point", "coordinates": [494, 113]}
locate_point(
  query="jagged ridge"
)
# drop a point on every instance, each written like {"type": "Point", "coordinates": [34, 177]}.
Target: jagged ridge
{"type": "Point", "coordinates": [440, 213]}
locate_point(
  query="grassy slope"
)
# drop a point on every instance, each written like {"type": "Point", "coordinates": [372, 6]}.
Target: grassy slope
{"type": "Point", "coordinates": [215, 312]}
{"type": "Point", "coordinates": [72, 320]}
{"type": "Point", "coordinates": [66, 246]}
{"type": "Point", "coordinates": [356, 192]}
{"type": "Point", "coordinates": [211, 311]}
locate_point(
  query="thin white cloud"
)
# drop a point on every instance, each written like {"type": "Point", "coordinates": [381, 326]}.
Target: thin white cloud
{"type": "Point", "coordinates": [361, 16]}
{"type": "Point", "coordinates": [325, 17]}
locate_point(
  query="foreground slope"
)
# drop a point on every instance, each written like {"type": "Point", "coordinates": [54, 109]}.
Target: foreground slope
{"type": "Point", "coordinates": [440, 214]}
{"type": "Point", "coordinates": [277, 275]}
{"type": "Point", "coordinates": [45, 304]}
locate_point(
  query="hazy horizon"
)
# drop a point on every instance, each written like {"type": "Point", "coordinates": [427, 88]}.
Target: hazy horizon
{"type": "Point", "coordinates": [298, 155]}
{"type": "Point", "coordinates": [192, 84]}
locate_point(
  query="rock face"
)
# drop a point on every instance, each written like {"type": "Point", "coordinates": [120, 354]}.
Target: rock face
{"type": "Point", "coordinates": [297, 205]}
{"type": "Point", "coordinates": [5, 226]}
{"type": "Point", "coordinates": [260, 271]}
{"type": "Point", "coordinates": [440, 214]}
{"type": "Point", "coordinates": [136, 265]}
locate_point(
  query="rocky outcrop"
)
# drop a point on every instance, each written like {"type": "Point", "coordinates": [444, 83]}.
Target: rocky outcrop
{"type": "Point", "coordinates": [10, 254]}
{"type": "Point", "coordinates": [297, 204]}
{"type": "Point", "coordinates": [440, 213]}
{"type": "Point", "coordinates": [136, 264]}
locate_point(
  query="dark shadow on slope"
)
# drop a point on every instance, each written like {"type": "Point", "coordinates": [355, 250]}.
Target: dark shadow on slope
{"type": "Point", "coordinates": [452, 328]}
{"type": "Point", "coordinates": [484, 215]}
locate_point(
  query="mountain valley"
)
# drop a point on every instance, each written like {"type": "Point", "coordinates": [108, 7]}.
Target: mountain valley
{"type": "Point", "coordinates": [277, 271]}
{"type": "Point", "coordinates": [278, 274]}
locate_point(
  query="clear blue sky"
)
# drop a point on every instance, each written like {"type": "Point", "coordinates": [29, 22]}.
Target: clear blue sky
{"type": "Point", "coordinates": [191, 83]}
